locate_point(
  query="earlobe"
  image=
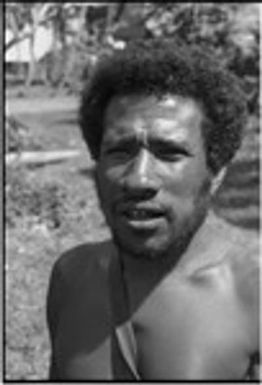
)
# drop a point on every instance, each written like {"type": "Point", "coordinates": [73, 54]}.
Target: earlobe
{"type": "Point", "coordinates": [217, 180]}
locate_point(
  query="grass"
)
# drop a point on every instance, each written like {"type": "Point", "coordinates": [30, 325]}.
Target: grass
{"type": "Point", "coordinates": [32, 246]}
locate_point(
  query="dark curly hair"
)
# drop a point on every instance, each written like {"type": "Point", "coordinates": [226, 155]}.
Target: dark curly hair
{"type": "Point", "coordinates": [158, 67]}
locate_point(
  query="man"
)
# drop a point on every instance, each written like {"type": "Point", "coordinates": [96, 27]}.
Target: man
{"type": "Point", "coordinates": [174, 295]}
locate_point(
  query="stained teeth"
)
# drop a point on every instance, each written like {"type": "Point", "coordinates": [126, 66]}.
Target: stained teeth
{"type": "Point", "coordinates": [141, 214]}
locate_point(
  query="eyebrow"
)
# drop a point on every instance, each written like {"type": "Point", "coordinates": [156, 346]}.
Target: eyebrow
{"type": "Point", "coordinates": [170, 143]}
{"type": "Point", "coordinates": [130, 140]}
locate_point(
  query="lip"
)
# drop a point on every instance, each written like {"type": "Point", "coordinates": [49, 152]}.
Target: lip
{"type": "Point", "coordinates": [144, 225]}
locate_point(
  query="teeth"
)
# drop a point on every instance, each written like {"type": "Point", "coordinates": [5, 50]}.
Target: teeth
{"type": "Point", "coordinates": [140, 214]}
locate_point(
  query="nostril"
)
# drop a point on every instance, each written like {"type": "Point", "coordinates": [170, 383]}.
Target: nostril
{"type": "Point", "coordinates": [141, 190]}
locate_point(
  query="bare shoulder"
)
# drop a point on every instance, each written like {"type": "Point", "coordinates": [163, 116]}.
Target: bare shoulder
{"type": "Point", "coordinates": [82, 269]}
{"type": "Point", "coordinates": [77, 300]}
{"type": "Point", "coordinates": [74, 264]}
{"type": "Point", "coordinates": [245, 268]}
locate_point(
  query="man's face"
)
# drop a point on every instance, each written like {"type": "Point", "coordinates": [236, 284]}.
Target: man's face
{"type": "Point", "coordinates": [152, 177]}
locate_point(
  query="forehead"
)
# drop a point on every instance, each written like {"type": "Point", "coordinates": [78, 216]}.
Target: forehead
{"type": "Point", "coordinates": [153, 114]}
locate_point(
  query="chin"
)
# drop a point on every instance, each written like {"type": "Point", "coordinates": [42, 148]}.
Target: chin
{"type": "Point", "coordinates": [160, 246]}
{"type": "Point", "coordinates": [149, 253]}
{"type": "Point", "coordinates": [150, 249]}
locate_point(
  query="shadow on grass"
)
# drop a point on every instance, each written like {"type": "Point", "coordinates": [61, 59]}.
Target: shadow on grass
{"type": "Point", "coordinates": [239, 168]}
{"type": "Point", "coordinates": [251, 223]}
{"type": "Point", "coordinates": [248, 221]}
{"type": "Point", "coordinates": [239, 198]}
{"type": "Point", "coordinates": [242, 173]}
{"type": "Point", "coordinates": [241, 180]}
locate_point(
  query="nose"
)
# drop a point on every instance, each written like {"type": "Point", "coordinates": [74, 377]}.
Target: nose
{"type": "Point", "coordinates": [140, 180]}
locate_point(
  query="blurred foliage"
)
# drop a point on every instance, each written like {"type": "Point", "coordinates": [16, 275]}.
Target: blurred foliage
{"type": "Point", "coordinates": [232, 30]}
{"type": "Point", "coordinates": [83, 32]}
{"type": "Point", "coordinates": [18, 137]}
{"type": "Point", "coordinates": [26, 198]}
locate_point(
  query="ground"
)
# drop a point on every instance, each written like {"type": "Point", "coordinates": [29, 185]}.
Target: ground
{"type": "Point", "coordinates": [32, 245]}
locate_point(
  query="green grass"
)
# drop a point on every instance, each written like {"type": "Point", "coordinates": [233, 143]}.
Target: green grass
{"type": "Point", "coordinates": [32, 246]}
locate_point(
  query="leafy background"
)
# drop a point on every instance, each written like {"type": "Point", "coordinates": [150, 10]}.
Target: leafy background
{"type": "Point", "coordinates": [52, 206]}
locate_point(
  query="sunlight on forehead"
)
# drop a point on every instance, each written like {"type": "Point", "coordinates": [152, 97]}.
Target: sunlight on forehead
{"type": "Point", "coordinates": [161, 128]}
{"type": "Point", "coordinates": [169, 115]}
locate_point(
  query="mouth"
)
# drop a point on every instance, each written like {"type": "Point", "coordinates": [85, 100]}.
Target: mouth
{"type": "Point", "coordinates": [140, 218]}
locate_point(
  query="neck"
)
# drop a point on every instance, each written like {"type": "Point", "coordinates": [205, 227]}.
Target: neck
{"type": "Point", "coordinates": [141, 276]}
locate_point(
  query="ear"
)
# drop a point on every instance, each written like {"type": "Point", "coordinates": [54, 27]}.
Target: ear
{"type": "Point", "coordinates": [217, 180]}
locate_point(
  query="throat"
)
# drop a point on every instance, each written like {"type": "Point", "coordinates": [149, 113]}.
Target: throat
{"type": "Point", "coordinates": [142, 277]}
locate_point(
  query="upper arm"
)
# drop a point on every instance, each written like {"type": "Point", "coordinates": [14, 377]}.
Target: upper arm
{"type": "Point", "coordinates": [71, 275]}
{"type": "Point", "coordinates": [55, 299]}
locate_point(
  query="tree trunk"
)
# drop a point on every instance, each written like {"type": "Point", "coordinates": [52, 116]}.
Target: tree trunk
{"type": "Point", "coordinates": [32, 62]}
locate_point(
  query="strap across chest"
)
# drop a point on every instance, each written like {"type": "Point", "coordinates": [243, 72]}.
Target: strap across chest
{"type": "Point", "coordinates": [122, 327]}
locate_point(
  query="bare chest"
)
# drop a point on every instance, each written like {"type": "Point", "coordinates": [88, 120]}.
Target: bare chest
{"type": "Point", "coordinates": [182, 331]}
{"type": "Point", "coordinates": [192, 331]}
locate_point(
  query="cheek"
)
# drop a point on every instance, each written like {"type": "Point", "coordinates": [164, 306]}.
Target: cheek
{"type": "Point", "coordinates": [111, 175]}
{"type": "Point", "coordinates": [108, 181]}
{"type": "Point", "coordinates": [186, 180]}
{"type": "Point", "coordinates": [107, 185]}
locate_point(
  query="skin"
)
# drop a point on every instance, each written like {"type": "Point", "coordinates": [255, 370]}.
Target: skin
{"type": "Point", "coordinates": [189, 282]}
{"type": "Point", "coordinates": [152, 156]}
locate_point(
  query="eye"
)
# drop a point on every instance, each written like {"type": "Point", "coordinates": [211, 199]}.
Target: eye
{"type": "Point", "coordinates": [170, 153]}
{"type": "Point", "coordinates": [117, 151]}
